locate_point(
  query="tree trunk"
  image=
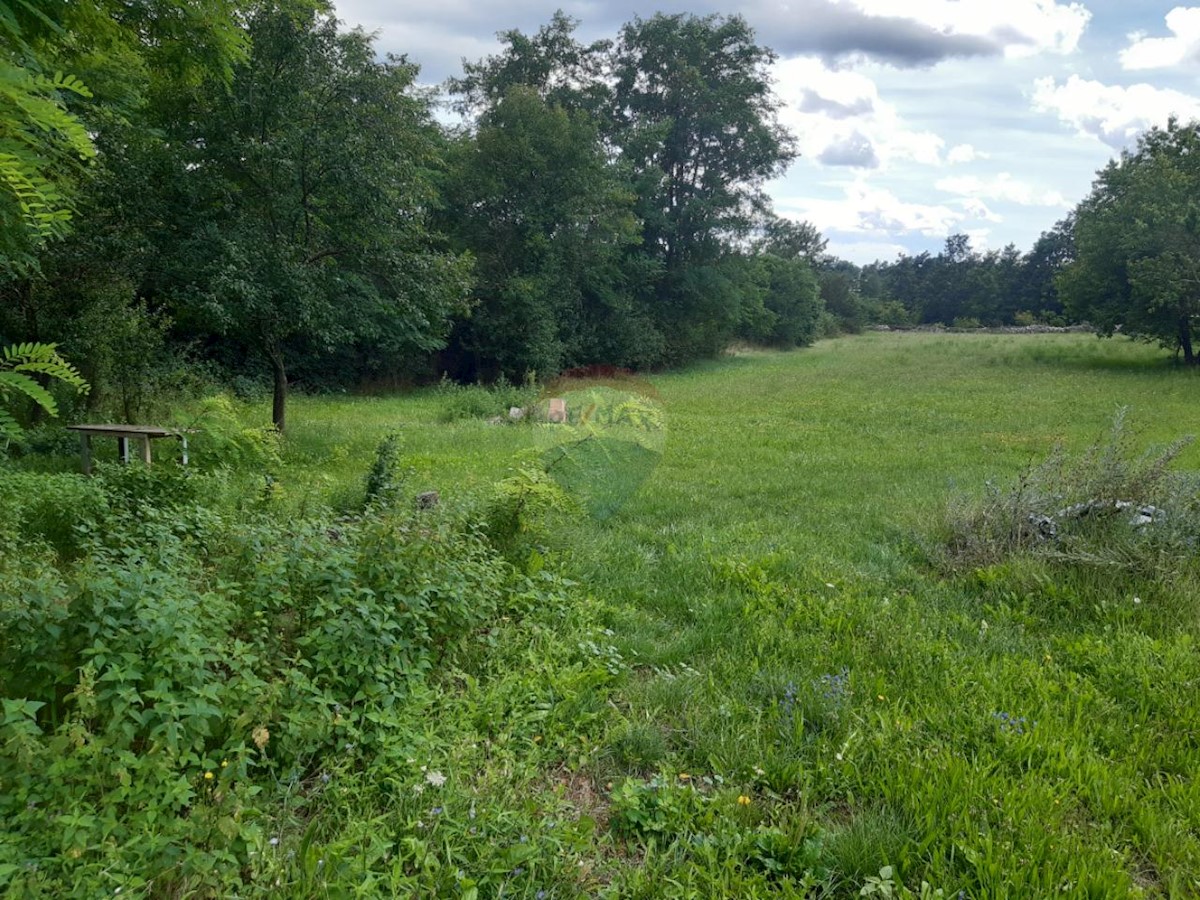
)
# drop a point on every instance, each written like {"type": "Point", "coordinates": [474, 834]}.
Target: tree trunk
{"type": "Point", "coordinates": [1185, 341]}
{"type": "Point", "coordinates": [279, 399]}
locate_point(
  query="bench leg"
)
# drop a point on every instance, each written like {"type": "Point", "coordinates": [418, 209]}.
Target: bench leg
{"type": "Point", "coordinates": [183, 441]}
{"type": "Point", "coordinates": [123, 450]}
{"type": "Point", "coordinates": [146, 450]}
{"type": "Point", "coordinates": [85, 450]}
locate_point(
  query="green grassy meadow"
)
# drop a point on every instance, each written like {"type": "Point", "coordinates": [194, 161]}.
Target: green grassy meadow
{"type": "Point", "coordinates": [790, 662]}
{"type": "Point", "coordinates": [755, 678]}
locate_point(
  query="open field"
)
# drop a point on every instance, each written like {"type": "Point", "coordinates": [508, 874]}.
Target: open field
{"type": "Point", "coordinates": [757, 682]}
{"type": "Point", "coordinates": [778, 544]}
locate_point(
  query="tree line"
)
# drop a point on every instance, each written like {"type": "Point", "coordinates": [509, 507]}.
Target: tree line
{"type": "Point", "coordinates": [246, 185]}
{"type": "Point", "coordinates": [276, 196]}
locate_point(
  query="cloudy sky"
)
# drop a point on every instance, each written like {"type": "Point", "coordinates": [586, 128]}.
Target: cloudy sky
{"type": "Point", "coordinates": [915, 118]}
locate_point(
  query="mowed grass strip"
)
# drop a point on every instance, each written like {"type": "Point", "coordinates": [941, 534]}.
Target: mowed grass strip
{"type": "Point", "coordinates": [1017, 731]}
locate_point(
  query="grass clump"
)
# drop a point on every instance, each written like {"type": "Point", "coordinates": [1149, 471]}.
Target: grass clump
{"type": "Point", "coordinates": [1109, 506]}
{"type": "Point", "coordinates": [478, 401]}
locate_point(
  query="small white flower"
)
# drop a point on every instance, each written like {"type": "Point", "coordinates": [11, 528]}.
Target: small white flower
{"type": "Point", "coordinates": [838, 757]}
{"type": "Point", "coordinates": [1137, 601]}
{"type": "Point", "coordinates": [436, 778]}
{"type": "Point", "coordinates": [828, 585]}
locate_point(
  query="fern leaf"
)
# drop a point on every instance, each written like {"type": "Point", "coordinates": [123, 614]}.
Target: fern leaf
{"type": "Point", "coordinates": [65, 82]}
{"type": "Point", "coordinates": [8, 426]}
{"type": "Point", "coordinates": [14, 381]}
{"type": "Point", "coordinates": [61, 371]}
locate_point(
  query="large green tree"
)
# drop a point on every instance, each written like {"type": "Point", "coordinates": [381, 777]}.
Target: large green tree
{"type": "Point", "coordinates": [71, 70]}
{"type": "Point", "coordinates": [784, 260]}
{"type": "Point", "coordinates": [695, 118]}
{"type": "Point", "coordinates": [301, 222]}
{"type": "Point", "coordinates": [551, 62]}
{"type": "Point", "coordinates": [1137, 243]}
{"type": "Point", "coordinates": [1053, 251]}
{"type": "Point", "coordinates": [533, 197]}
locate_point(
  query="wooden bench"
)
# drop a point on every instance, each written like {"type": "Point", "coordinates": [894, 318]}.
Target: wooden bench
{"type": "Point", "coordinates": [123, 434]}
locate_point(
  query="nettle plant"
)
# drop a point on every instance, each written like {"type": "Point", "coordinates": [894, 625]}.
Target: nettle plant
{"type": "Point", "coordinates": [20, 367]}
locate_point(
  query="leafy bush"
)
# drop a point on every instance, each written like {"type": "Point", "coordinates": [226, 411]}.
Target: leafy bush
{"type": "Point", "coordinates": [158, 692]}
{"type": "Point", "coordinates": [477, 401]}
{"type": "Point", "coordinates": [49, 508]}
{"type": "Point", "coordinates": [1024, 318]}
{"type": "Point", "coordinates": [892, 313]}
{"type": "Point", "coordinates": [137, 489]}
{"type": "Point", "coordinates": [384, 479]}
{"type": "Point", "coordinates": [222, 439]}
{"type": "Point", "coordinates": [45, 441]}
{"type": "Point", "coordinates": [828, 325]}
{"type": "Point", "coordinates": [521, 509]}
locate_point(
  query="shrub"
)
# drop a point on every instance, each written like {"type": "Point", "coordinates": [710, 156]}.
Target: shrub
{"type": "Point", "coordinates": [1024, 318]}
{"type": "Point", "coordinates": [193, 664]}
{"type": "Point", "coordinates": [50, 508]}
{"type": "Point", "coordinates": [521, 509]}
{"type": "Point", "coordinates": [477, 401]}
{"type": "Point", "coordinates": [222, 439]}
{"type": "Point", "coordinates": [45, 441]}
{"type": "Point", "coordinates": [828, 325]}
{"type": "Point", "coordinates": [384, 479]}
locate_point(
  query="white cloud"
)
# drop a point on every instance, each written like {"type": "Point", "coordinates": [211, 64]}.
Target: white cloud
{"type": "Point", "coordinates": [868, 210]}
{"type": "Point", "coordinates": [1182, 46]}
{"type": "Point", "coordinates": [1002, 187]}
{"type": "Point", "coordinates": [979, 237]}
{"type": "Point", "coordinates": [1111, 113]}
{"type": "Point", "coordinates": [977, 209]}
{"type": "Point", "coordinates": [964, 153]}
{"type": "Point", "coordinates": [864, 252]}
{"type": "Point", "coordinates": [823, 125]}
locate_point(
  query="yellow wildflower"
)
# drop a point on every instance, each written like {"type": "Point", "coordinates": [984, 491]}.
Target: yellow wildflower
{"type": "Point", "coordinates": [743, 800]}
{"type": "Point", "coordinates": [208, 776]}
